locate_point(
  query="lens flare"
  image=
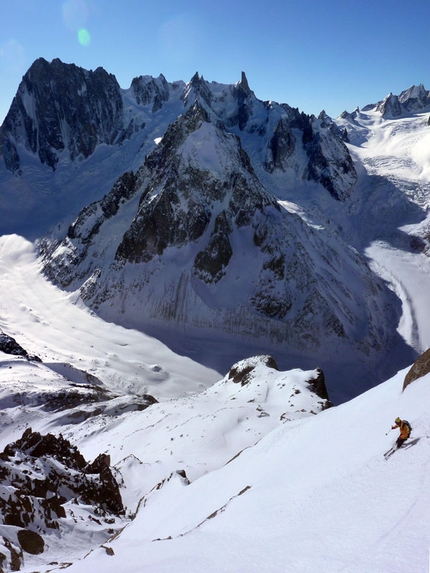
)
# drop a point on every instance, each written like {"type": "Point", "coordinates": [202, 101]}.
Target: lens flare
{"type": "Point", "coordinates": [84, 37]}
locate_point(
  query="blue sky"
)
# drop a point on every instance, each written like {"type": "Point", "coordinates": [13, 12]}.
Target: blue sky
{"type": "Point", "coordinates": [310, 54]}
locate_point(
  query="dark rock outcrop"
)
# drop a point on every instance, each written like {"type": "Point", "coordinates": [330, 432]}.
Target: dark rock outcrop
{"type": "Point", "coordinates": [9, 345]}
{"type": "Point", "coordinates": [239, 373]}
{"type": "Point", "coordinates": [39, 474]}
{"type": "Point", "coordinates": [210, 264]}
{"type": "Point", "coordinates": [329, 160]}
{"type": "Point", "coordinates": [414, 99]}
{"type": "Point", "coordinates": [420, 368]}
{"type": "Point", "coordinates": [61, 107]}
{"type": "Point", "coordinates": [390, 106]}
{"type": "Point", "coordinates": [319, 387]}
{"type": "Point", "coordinates": [84, 230]}
{"type": "Point", "coordinates": [282, 146]}
{"type": "Point", "coordinates": [148, 90]}
{"type": "Point", "coordinates": [178, 200]}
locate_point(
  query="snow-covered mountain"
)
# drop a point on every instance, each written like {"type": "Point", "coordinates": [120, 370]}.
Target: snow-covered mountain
{"type": "Point", "coordinates": [220, 228]}
{"type": "Point", "coordinates": [175, 188]}
{"type": "Point", "coordinates": [171, 245]}
{"type": "Point", "coordinates": [62, 111]}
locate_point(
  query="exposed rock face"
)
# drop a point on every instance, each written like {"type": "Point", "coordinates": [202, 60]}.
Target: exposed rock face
{"type": "Point", "coordinates": [76, 475]}
{"type": "Point", "coordinates": [178, 201]}
{"type": "Point", "coordinates": [38, 476]}
{"type": "Point", "coordinates": [240, 372]}
{"type": "Point", "coordinates": [248, 375]}
{"type": "Point", "coordinates": [203, 215]}
{"type": "Point", "coordinates": [9, 345]}
{"type": "Point", "coordinates": [329, 161]}
{"type": "Point", "coordinates": [414, 99]}
{"type": "Point", "coordinates": [89, 222]}
{"type": "Point", "coordinates": [62, 107]}
{"type": "Point", "coordinates": [420, 368]}
{"type": "Point", "coordinates": [244, 97]}
{"type": "Point", "coordinates": [390, 106]}
{"type": "Point", "coordinates": [290, 140]}
{"type": "Point", "coordinates": [282, 146]}
{"type": "Point", "coordinates": [319, 386]}
{"type": "Point", "coordinates": [147, 90]}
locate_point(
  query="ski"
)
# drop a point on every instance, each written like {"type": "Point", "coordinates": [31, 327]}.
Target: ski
{"type": "Point", "coordinates": [389, 453]}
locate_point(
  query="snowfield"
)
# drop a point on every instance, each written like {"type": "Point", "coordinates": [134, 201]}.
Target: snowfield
{"type": "Point", "coordinates": [58, 328]}
{"type": "Point", "coordinates": [397, 152]}
{"type": "Point", "coordinates": [314, 493]}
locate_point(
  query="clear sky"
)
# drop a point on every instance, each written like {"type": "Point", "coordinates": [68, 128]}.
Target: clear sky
{"type": "Point", "coordinates": [310, 54]}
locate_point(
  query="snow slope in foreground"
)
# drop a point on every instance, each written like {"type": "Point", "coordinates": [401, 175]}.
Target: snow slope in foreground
{"type": "Point", "coordinates": [315, 494]}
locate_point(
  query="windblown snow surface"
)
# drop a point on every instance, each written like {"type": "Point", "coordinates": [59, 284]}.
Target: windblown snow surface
{"type": "Point", "coordinates": [273, 484]}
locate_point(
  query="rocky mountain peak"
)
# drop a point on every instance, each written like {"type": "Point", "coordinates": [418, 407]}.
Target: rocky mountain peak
{"type": "Point", "coordinates": [390, 106]}
{"type": "Point", "coordinates": [197, 89]}
{"type": "Point", "coordinates": [148, 90]}
{"type": "Point", "coordinates": [176, 134]}
{"type": "Point", "coordinates": [243, 85]}
{"type": "Point", "coordinates": [197, 169]}
{"type": "Point", "coordinates": [197, 80]}
{"type": "Point", "coordinates": [61, 110]}
{"type": "Point", "coordinates": [61, 107]}
{"type": "Point", "coordinates": [414, 99]}
{"type": "Point", "coordinates": [203, 214]}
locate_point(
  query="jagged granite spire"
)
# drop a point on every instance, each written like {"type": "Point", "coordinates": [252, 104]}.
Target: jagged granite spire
{"type": "Point", "coordinates": [148, 90]}
{"type": "Point", "coordinates": [414, 99]}
{"type": "Point", "coordinates": [61, 107]}
{"type": "Point", "coordinates": [243, 84]}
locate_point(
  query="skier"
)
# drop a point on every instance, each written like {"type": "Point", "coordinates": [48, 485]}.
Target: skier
{"type": "Point", "coordinates": [405, 431]}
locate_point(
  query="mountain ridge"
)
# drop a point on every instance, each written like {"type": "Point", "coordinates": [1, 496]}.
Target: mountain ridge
{"type": "Point", "coordinates": [139, 198]}
{"type": "Point", "coordinates": [86, 109]}
{"type": "Point", "coordinates": [183, 259]}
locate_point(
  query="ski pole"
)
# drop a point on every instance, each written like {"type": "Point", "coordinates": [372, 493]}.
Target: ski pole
{"type": "Point", "coordinates": [389, 431]}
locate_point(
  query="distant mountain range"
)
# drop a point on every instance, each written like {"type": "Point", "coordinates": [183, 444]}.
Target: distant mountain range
{"type": "Point", "coordinates": [197, 209]}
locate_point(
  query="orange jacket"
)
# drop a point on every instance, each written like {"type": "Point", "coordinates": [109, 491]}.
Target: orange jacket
{"type": "Point", "coordinates": [404, 430]}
